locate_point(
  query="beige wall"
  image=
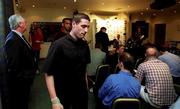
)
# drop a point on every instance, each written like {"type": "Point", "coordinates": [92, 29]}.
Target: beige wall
{"type": "Point", "coordinates": [53, 15]}
{"type": "Point", "coordinates": [43, 15]}
{"type": "Point", "coordinates": [50, 15]}
{"type": "Point", "coordinates": [173, 30]}
{"type": "Point", "coordinates": [171, 20]}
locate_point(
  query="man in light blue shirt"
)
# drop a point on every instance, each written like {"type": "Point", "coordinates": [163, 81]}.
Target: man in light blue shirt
{"type": "Point", "coordinates": [122, 84]}
{"type": "Point", "coordinates": [173, 61]}
{"type": "Point", "coordinates": [97, 58]}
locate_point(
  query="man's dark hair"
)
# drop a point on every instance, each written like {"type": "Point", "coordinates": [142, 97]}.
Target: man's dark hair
{"type": "Point", "coordinates": [127, 60]}
{"type": "Point", "coordinates": [77, 17]}
{"type": "Point", "coordinates": [103, 28]}
{"type": "Point", "coordinates": [64, 19]}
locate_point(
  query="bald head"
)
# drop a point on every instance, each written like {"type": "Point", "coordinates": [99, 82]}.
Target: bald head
{"type": "Point", "coordinates": [151, 52]}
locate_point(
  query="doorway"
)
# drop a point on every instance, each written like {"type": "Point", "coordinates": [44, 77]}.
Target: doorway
{"type": "Point", "coordinates": [160, 33]}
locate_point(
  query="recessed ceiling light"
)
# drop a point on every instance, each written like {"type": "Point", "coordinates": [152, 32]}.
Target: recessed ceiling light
{"type": "Point", "coordinates": [33, 6]}
{"type": "Point", "coordinates": [154, 14]}
{"type": "Point", "coordinates": [65, 7]}
{"type": "Point", "coordinates": [74, 0]}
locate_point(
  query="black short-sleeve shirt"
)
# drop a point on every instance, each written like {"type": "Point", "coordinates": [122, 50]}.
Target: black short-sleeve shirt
{"type": "Point", "coordinates": [66, 61]}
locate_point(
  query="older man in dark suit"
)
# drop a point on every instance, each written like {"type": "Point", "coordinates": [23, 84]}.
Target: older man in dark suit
{"type": "Point", "coordinates": [21, 64]}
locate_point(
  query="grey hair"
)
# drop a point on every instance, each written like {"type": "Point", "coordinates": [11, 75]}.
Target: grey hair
{"type": "Point", "coordinates": [14, 21]}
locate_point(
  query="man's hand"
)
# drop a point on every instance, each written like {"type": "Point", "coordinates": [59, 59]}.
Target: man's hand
{"type": "Point", "coordinates": [57, 106]}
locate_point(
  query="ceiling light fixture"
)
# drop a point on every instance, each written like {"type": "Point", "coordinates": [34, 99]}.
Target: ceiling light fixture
{"type": "Point", "coordinates": [154, 14]}
{"type": "Point", "coordinates": [142, 13]}
{"type": "Point", "coordinates": [33, 6]}
{"type": "Point", "coordinates": [74, 1]}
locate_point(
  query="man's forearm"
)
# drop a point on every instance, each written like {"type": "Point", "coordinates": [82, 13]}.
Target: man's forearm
{"type": "Point", "coordinates": [52, 92]}
{"type": "Point", "coordinates": [50, 86]}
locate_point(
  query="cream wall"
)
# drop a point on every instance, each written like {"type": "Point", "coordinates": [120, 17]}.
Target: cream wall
{"type": "Point", "coordinates": [115, 24]}
{"type": "Point", "coordinates": [55, 15]}
{"type": "Point", "coordinates": [172, 22]}
{"type": "Point", "coordinates": [50, 15]}
{"type": "Point", "coordinates": [171, 19]}
{"type": "Point", "coordinates": [43, 15]}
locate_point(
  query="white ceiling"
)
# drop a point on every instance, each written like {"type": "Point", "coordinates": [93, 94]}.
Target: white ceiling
{"type": "Point", "coordinates": [98, 6]}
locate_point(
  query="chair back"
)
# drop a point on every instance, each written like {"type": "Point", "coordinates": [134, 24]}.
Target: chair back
{"type": "Point", "coordinates": [177, 89]}
{"type": "Point", "coordinates": [138, 62]}
{"type": "Point", "coordinates": [126, 103]}
{"type": "Point", "coordinates": [102, 72]}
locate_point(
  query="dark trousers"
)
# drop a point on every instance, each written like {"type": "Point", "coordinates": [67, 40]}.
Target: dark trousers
{"type": "Point", "coordinates": [74, 100]}
{"type": "Point", "coordinates": [18, 94]}
{"type": "Point", "coordinates": [37, 54]}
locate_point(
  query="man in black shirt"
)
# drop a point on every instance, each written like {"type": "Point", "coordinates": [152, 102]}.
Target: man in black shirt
{"type": "Point", "coordinates": [102, 39]}
{"type": "Point", "coordinates": [65, 28]}
{"type": "Point", "coordinates": [65, 67]}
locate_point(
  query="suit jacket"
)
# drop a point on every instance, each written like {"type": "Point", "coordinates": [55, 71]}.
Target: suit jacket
{"type": "Point", "coordinates": [103, 40]}
{"type": "Point", "coordinates": [21, 63]}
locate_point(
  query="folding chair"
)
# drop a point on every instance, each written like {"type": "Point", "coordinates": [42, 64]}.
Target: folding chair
{"type": "Point", "coordinates": [177, 89]}
{"type": "Point", "coordinates": [102, 72]}
{"type": "Point", "coordinates": [126, 103]}
{"type": "Point", "coordinates": [138, 62]}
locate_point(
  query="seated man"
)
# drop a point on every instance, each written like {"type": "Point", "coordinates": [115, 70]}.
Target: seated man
{"type": "Point", "coordinates": [122, 84]}
{"type": "Point", "coordinates": [176, 105]}
{"type": "Point", "coordinates": [158, 90]}
{"type": "Point", "coordinates": [112, 58]}
{"type": "Point", "coordinates": [97, 58]}
{"type": "Point", "coordinates": [173, 61]}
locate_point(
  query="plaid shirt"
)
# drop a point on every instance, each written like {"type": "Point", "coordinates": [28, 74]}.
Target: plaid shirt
{"type": "Point", "coordinates": [158, 81]}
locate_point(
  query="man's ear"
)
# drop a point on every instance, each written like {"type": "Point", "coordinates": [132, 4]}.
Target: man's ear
{"type": "Point", "coordinates": [20, 24]}
{"type": "Point", "coordinates": [73, 24]}
{"type": "Point", "coordinates": [145, 55]}
{"type": "Point", "coordinates": [62, 24]}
